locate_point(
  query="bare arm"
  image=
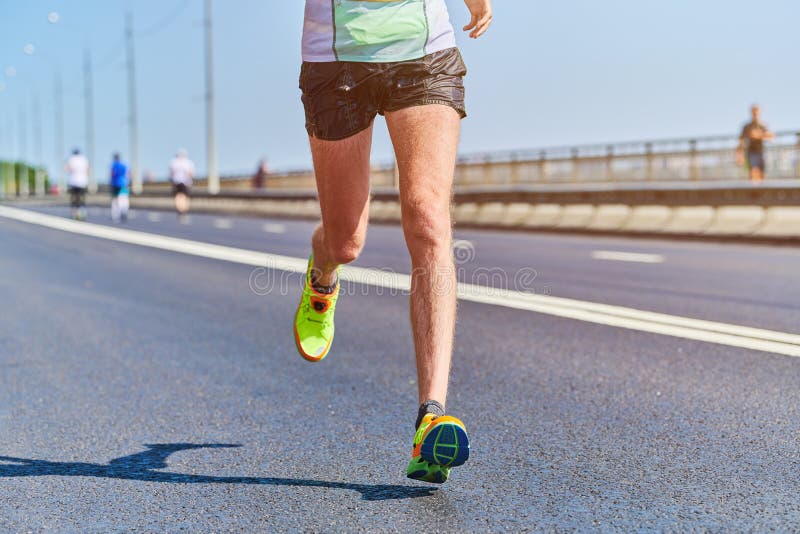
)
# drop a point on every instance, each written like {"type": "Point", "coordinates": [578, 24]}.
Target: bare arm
{"type": "Point", "coordinates": [742, 136]}
{"type": "Point", "coordinates": [481, 11]}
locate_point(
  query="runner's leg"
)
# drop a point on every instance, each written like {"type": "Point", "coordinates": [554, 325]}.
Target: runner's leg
{"type": "Point", "coordinates": [73, 202]}
{"type": "Point", "coordinates": [342, 174]}
{"type": "Point", "coordinates": [124, 205]}
{"type": "Point", "coordinates": [181, 203]}
{"type": "Point", "coordinates": [425, 140]}
{"type": "Point", "coordinates": [115, 208]}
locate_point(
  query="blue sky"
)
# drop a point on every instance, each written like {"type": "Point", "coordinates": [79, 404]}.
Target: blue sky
{"type": "Point", "coordinates": [547, 73]}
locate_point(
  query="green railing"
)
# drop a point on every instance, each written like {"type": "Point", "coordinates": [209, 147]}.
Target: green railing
{"type": "Point", "coordinates": [21, 180]}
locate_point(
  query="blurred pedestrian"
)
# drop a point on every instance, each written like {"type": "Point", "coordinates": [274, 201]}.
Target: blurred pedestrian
{"type": "Point", "coordinates": [120, 190]}
{"type": "Point", "coordinates": [77, 168]}
{"type": "Point", "coordinates": [181, 174]}
{"type": "Point", "coordinates": [260, 176]}
{"type": "Point", "coordinates": [750, 151]}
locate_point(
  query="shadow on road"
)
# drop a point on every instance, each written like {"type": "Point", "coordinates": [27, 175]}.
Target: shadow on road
{"type": "Point", "coordinates": [143, 465]}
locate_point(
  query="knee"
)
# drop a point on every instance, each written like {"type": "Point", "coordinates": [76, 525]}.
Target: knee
{"type": "Point", "coordinates": [428, 234]}
{"type": "Point", "coordinates": [347, 250]}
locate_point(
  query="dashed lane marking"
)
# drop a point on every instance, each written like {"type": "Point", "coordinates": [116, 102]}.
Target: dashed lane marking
{"type": "Point", "coordinates": [634, 257]}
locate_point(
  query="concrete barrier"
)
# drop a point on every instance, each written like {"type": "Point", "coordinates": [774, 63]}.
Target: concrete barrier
{"type": "Point", "coordinates": [465, 213]}
{"type": "Point", "coordinates": [384, 210]}
{"type": "Point", "coordinates": [776, 222]}
{"type": "Point", "coordinates": [609, 217]}
{"type": "Point", "coordinates": [517, 213]}
{"type": "Point", "coordinates": [648, 219]}
{"type": "Point", "coordinates": [780, 222]}
{"type": "Point", "coordinates": [491, 214]}
{"type": "Point", "coordinates": [163, 203]}
{"type": "Point", "coordinates": [308, 209]}
{"type": "Point", "coordinates": [736, 220]}
{"type": "Point", "coordinates": [575, 216]}
{"type": "Point", "coordinates": [690, 220]}
{"type": "Point", "coordinates": [543, 216]}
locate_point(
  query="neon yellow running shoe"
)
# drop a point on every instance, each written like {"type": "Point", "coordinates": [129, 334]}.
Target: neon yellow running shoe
{"type": "Point", "coordinates": [440, 443]}
{"type": "Point", "coordinates": [313, 323]}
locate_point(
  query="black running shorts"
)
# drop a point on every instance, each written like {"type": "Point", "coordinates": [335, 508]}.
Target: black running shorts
{"type": "Point", "coordinates": [180, 188]}
{"type": "Point", "coordinates": [341, 98]}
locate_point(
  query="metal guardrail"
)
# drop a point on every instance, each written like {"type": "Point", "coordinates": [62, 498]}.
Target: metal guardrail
{"type": "Point", "coordinates": [686, 160]}
{"type": "Point", "coordinates": [689, 159]}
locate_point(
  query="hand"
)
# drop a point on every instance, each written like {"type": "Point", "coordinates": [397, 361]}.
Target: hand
{"type": "Point", "coordinates": [739, 157]}
{"type": "Point", "coordinates": [481, 11]}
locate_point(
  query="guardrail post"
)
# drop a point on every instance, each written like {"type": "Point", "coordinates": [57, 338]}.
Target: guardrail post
{"type": "Point", "coordinates": [575, 165]}
{"type": "Point", "coordinates": [24, 189]}
{"type": "Point", "coordinates": [543, 165]}
{"type": "Point", "coordinates": [610, 163]}
{"type": "Point", "coordinates": [693, 170]}
{"type": "Point", "coordinates": [488, 170]}
{"type": "Point", "coordinates": [14, 190]}
{"type": "Point", "coordinates": [648, 147]}
{"type": "Point", "coordinates": [797, 157]}
{"type": "Point", "coordinates": [514, 168]}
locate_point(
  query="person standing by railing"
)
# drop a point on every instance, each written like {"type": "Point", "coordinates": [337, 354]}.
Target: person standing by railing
{"type": "Point", "coordinates": [751, 142]}
{"type": "Point", "coordinates": [260, 176]}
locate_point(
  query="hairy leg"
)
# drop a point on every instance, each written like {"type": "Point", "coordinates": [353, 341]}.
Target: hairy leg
{"type": "Point", "coordinates": [181, 203]}
{"type": "Point", "coordinates": [425, 140]}
{"type": "Point", "coordinates": [342, 173]}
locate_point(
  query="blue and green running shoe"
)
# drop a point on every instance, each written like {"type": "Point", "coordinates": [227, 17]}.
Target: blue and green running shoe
{"type": "Point", "coordinates": [439, 444]}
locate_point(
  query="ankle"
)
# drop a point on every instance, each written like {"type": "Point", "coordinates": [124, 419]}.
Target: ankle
{"type": "Point", "coordinates": [325, 285]}
{"type": "Point", "coordinates": [429, 406]}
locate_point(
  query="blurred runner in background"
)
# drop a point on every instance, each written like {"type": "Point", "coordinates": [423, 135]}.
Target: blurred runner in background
{"type": "Point", "coordinates": [119, 186]}
{"type": "Point", "coordinates": [77, 168]}
{"type": "Point", "coordinates": [181, 174]}
{"type": "Point", "coordinates": [260, 176]}
{"type": "Point", "coordinates": [751, 145]}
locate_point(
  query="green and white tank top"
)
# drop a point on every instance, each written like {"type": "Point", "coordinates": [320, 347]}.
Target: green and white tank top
{"type": "Point", "coordinates": [375, 31]}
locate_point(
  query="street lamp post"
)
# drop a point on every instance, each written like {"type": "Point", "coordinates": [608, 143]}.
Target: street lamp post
{"type": "Point", "coordinates": [211, 142]}
{"type": "Point", "coordinates": [133, 124]}
{"type": "Point", "coordinates": [5, 137]}
{"type": "Point", "coordinates": [89, 109]}
{"type": "Point", "coordinates": [23, 190]}
{"type": "Point", "coordinates": [37, 147]}
{"type": "Point", "coordinates": [58, 149]}
{"type": "Point", "coordinates": [58, 105]}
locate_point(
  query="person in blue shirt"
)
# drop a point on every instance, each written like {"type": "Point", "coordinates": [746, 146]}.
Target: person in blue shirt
{"type": "Point", "coordinates": [119, 185]}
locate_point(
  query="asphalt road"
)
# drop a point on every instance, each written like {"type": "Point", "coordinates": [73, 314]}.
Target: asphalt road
{"type": "Point", "coordinates": [151, 390]}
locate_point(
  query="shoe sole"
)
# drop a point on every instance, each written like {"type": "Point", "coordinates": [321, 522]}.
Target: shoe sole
{"type": "Point", "coordinates": [446, 443]}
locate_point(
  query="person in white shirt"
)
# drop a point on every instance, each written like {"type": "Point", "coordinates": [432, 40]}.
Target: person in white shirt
{"type": "Point", "coordinates": [181, 174]}
{"type": "Point", "coordinates": [77, 169]}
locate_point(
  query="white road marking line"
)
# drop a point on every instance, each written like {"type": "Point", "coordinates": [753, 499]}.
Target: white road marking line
{"type": "Point", "coordinates": [153, 217]}
{"type": "Point", "coordinates": [611, 255]}
{"type": "Point", "coordinates": [274, 228]}
{"type": "Point", "coordinates": [592, 312]}
{"type": "Point", "coordinates": [223, 224]}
